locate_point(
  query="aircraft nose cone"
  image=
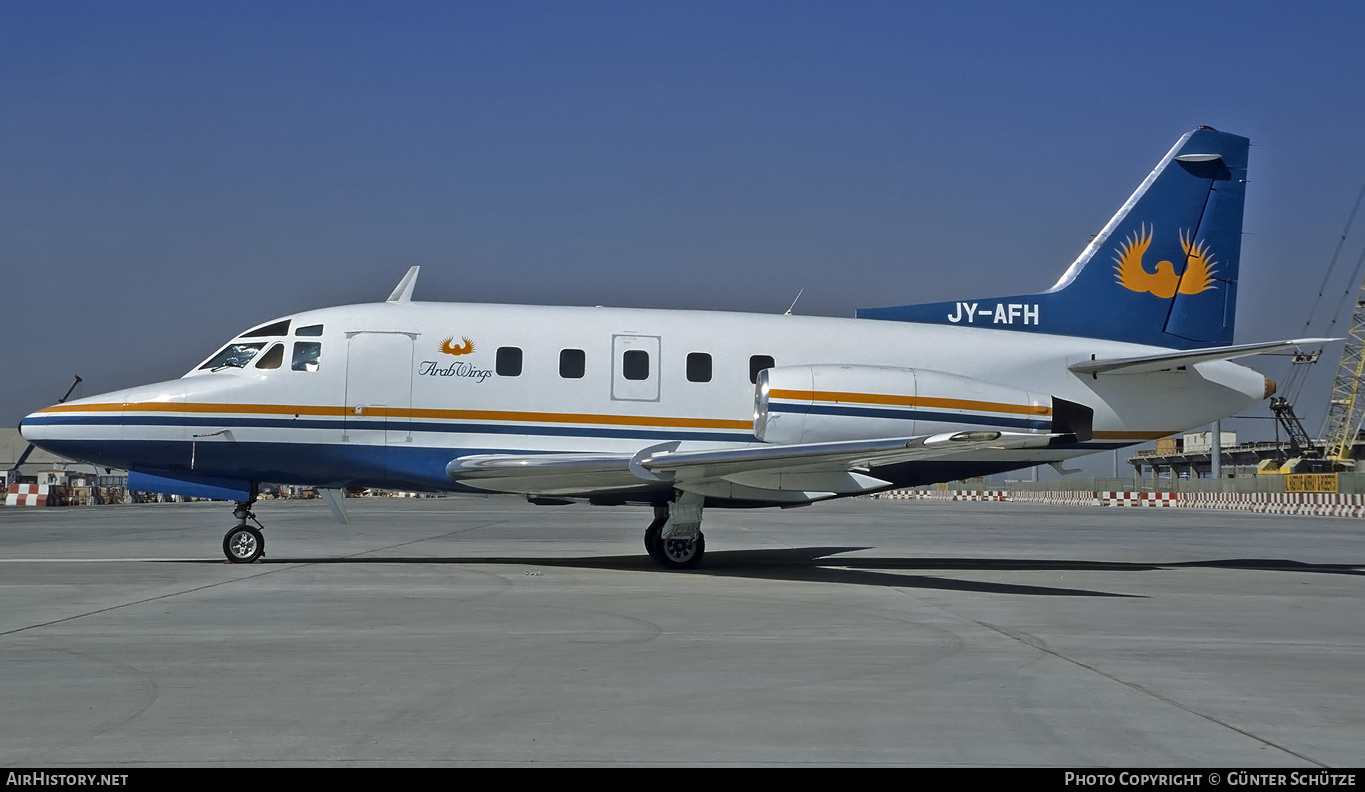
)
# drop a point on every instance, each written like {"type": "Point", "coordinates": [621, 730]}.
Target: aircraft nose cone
{"type": "Point", "coordinates": [29, 429]}
{"type": "Point", "coordinates": [1269, 388]}
{"type": "Point", "coordinates": [56, 433]}
{"type": "Point", "coordinates": [26, 428]}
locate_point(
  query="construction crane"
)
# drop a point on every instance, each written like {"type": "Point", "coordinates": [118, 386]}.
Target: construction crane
{"type": "Point", "coordinates": [1347, 408]}
{"type": "Point", "coordinates": [1300, 445]}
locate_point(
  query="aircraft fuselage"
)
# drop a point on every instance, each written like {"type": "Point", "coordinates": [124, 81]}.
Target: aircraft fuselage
{"type": "Point", "coordinates": [387, 394]}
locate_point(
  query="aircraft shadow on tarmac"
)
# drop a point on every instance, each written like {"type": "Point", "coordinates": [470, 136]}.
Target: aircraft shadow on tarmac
{"type": "Point", "coordinates": [818, 564]}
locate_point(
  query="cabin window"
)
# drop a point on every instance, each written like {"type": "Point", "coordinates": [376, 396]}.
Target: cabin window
{"type": "Point", "coordinates": [310, 330]}
{"type": "Point", "coordinates": [509, 362]}
{"type": "Point", "coordinates": [233, 356]}
{"type": "Point", "coordinates": [635, 364]}
{"type": "Point", "coordinates": [698, 367]}
{"type": "Point", "coordinates": [571, 363]}
{"type": "Point", "coordinates": [306, 354]}
{"type": "Point", "coordinates": [272, 358]}
{"type": "Point", "coordinates": [757, 363]}
{"type": "Point", "coordinates": [277, 329]}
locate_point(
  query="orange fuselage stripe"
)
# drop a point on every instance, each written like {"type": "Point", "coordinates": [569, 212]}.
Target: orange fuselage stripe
{"type": "Point", "coordinates": [535, 417]}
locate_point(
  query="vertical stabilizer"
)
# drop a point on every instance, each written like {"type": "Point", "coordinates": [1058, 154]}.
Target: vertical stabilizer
{"type": "Point", "coordinates": [1163, 271]}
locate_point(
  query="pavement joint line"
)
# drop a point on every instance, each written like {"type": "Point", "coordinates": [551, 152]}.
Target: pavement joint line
{"type": "Point", "coordinates": [282, 568]}
{"type": "Point", "coordinates": [425, 539]}
{"type": "Point", "coordinates": [142, 601]}
{"type": "Point", "coordinates": [1146, 691]}
{"type": "Point", "coordinates": [1047, 650]}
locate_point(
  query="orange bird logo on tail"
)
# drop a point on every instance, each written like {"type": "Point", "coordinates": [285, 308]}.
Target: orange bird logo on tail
{"type": "Point", "coordinates": [1164, 283]}
{"type": "Point", "coordinates": [462, 349]}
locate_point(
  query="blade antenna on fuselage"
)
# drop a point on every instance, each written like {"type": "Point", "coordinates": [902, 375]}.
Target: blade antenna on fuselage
{"type": "Point", "coordinates": [403, 291]}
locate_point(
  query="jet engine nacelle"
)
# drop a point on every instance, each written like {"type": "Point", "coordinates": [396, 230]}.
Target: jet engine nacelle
{"type": "Point", "coordinates": [812, 404]}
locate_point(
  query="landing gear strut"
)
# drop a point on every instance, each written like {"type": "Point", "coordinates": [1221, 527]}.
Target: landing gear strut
{"type": "Point", "coordinates": [675, 539]}
{"type": "Point", "coordinates": [244, 544]}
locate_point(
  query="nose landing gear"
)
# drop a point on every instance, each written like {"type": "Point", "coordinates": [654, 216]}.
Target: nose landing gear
{"type": "Point", "coordinates": [244, 544]}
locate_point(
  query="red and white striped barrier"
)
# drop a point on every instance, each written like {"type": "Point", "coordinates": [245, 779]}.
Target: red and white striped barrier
{"type": "Point", "coordinates": [954, 495]}
{"type": "Point", "coordinates": [31, 495]}
{"type": "Point", "coordinates": [1059, 497]}
{"type": "Point", "coordinates": [1137, 499]}
{"type": "Point", "coordinates": [1317, 504]}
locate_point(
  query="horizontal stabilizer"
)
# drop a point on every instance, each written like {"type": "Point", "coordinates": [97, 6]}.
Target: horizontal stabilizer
{"type": "Point", "coordinates": [1168, 360]}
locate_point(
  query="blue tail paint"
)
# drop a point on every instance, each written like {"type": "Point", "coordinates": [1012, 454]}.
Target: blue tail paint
{"type": "Point", "coordinates": [1162, 272]}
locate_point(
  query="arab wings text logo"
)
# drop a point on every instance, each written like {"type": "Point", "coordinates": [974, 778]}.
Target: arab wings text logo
{"type": "Point", "coordinates": [1133, 275]}
{"type": "Point", "coordinates": [451, 349]}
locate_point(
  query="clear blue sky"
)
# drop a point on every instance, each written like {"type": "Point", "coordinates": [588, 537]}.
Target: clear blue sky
{"type": "Point", "coordinates": [173, 172]}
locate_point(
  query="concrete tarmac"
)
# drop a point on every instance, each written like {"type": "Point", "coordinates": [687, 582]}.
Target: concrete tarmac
{"type": "Point", "coordinates": [472, 631]}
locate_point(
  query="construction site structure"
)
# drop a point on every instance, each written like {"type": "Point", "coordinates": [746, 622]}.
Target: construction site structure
{"type": "Point", "coordinates": [1300, 445]}
{"type": "Point", "coordinates": [1346, 410]}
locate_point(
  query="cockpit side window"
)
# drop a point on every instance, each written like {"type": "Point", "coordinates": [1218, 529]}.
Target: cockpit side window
{"type": "Point", "coordinates": [310, 330]}
{"type": "Point", "coordinates": [306, 354]}
{"type": "Point", "coordinates": [277, 329]}
{"type": "Point", "coordinates": [233, 356]}
{"type": "Point", "coordinates": [272, 358]}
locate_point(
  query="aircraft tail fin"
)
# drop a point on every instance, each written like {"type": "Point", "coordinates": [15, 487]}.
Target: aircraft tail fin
{"type": "Point", "coordinates": [1163, 271]}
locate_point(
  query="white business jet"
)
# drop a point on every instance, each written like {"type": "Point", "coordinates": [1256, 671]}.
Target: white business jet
{"type": "Point", "coordinates": [686, 411]}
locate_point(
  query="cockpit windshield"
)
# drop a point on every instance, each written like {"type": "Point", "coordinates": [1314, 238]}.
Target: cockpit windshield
{"type": "Point", "coordinates": [233, 356]}
{"type": "Point", "coordinates": [241, 352]}
{"type": "Point", "coordinates": [279, 328]}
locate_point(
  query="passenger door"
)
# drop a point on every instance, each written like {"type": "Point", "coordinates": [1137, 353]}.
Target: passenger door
{"type": "Point", "coordinates": [378, 387]}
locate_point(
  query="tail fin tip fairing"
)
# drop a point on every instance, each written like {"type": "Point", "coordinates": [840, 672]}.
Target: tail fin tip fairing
{"type": "Point", "coordinates": [1162, 272]}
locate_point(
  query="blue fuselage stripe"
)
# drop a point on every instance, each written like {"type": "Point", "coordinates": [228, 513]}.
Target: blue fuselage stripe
{"type": "Point", "coordinates": [395, 425]}
{"type": "Point", "coordinates": [910, 415]}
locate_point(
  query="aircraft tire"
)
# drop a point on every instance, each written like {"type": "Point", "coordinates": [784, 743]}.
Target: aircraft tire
{"type": "Point", "coordinates": [653, 546]}
{"type": "Point", "coordinates": [243, 544]}
{"type": "Point", "coordinates": [682, 553]}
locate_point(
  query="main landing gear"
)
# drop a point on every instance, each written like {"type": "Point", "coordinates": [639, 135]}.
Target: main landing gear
{"type": "Point", "coordinates": [244, 544]}
{"type": "Point", "coordinates": [675, 539]}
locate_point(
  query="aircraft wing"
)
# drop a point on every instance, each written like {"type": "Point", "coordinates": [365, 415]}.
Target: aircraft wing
{"type": "Point", "coordinates": [809, 468]}
{"type": "Point", "coordinates": [1147, 363]}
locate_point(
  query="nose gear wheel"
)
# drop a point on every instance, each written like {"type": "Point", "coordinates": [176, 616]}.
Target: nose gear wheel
{"type": "Point", "coordinates": [244, 544]}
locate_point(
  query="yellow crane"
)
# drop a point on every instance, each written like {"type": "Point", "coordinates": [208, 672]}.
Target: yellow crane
{"type": "Point", "coordinates": [1346, 410]}
{"type": "Point", "coordinates": [1347, 407]}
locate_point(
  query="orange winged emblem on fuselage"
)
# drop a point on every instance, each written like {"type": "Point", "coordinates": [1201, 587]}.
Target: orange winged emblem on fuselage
{"type": "Point", "coordinates": [1133, 275]}
{"type": "Point", "coordinates": [451, 349]}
